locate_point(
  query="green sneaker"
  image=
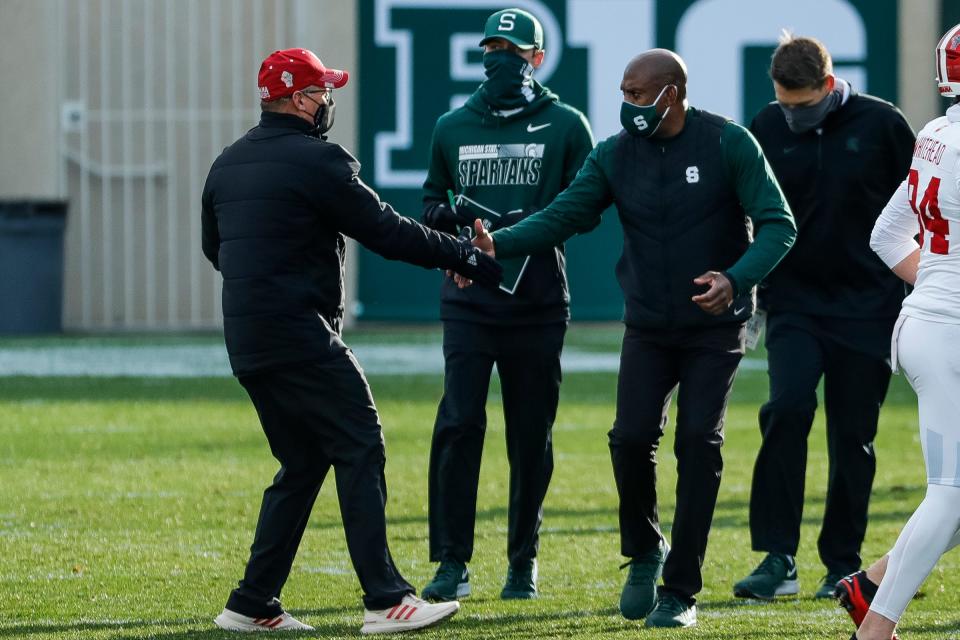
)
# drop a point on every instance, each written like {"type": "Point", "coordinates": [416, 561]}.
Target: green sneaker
{"type": "Point", "coordinates": [775, 576]}
{"type": "Point", "coordinates": [639, 594]}
{"type": "Point", "coordinates": [672, 611]}
{"type": "Point", "coordinates": [451, 582]}
{"type": "Point", "coordinates": [521, 581]}
{"type": "Point", "coordinates": [828, 585]}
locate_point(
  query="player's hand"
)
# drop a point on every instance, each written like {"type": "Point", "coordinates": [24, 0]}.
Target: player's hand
{"type": "Point", "coordinates": [483, 240]}
{"type": "Point", "coordinates": [461, 282]}
{"type": "Point", "coordinates": [473, 265]}
{"type": "Point", "coordinates": [718, 297]}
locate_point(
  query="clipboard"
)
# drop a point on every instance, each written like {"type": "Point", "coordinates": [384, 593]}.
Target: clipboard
{"type": "Point", "coordinates": [513, 268]}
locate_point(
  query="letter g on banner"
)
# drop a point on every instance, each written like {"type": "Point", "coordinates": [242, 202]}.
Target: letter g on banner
{"type": "Point", "coordinates": [716, 72]}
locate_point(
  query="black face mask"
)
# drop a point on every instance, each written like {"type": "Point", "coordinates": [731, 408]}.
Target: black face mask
{"type": "Point", "coordinates": [509, 83]}
{"type": "Point", "coordinates": [324, 115]}
{"type": "Point", "coordinates": [803, 119]}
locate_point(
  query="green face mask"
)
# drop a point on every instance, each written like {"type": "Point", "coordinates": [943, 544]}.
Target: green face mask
{"type": "Point", "coordinates": [642, 120]}
{"type": "Point", "coordinates": [509, 82]}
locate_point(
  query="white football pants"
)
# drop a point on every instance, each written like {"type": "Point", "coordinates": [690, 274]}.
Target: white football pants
{"type": "Point", "coordinates": [929, 354]}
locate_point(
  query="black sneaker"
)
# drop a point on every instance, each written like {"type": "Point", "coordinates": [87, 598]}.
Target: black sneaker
{"type": "Point", "coordinates": [521, 583]}
{"type": "Point", "coordinates": [672, 611]}
{"type": "Point", "coordinates": [451, 582]}
{"type": "Point", "coordinates": [639, 594]}
{"type": "Point", "coordinates": [828, 585]}
{"type": "Point", "coordinates": [775, 576]}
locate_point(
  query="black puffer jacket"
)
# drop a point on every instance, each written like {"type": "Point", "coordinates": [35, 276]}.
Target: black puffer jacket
{"type": "Point", "coordinates": [276, 205]}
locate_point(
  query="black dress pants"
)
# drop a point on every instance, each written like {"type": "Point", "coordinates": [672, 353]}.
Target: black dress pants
{"type": "Point", "coordinates": [528, 363]}
{"type": "Point", "coordinates": [317, 415]}
{"type": "Point", "coordinates": [653, 363]}
{"type": "Point", "coordinates": [855, 385]}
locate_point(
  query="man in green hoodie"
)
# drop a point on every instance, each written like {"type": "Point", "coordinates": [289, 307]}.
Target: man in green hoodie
{"type": "Point", "coordinates": [506, 153]}
{"type": "Point", "coordinates": [687, 184]}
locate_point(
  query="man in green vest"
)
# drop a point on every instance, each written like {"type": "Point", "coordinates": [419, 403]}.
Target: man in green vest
{"type": "Point", "coordinates": [506, 153]}
{"type": "Point", "coordinates": [687, 184]}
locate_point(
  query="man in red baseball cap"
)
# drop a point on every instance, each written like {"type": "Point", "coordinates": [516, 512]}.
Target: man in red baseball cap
{"type": "Point", "coordinates": [290, 78]}
{"type": "Point", "coordinates": [276, 207]}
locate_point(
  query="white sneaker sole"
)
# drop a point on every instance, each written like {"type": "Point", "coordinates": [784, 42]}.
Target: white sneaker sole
{"type": "Point", "coordinates": [230, 621]}
{"type": "Point", "coordinates": [370, 628]}
{"type": "Point", "coordinates": [788, 588]}
{"type": "Point", "coordinates": [785, 588]}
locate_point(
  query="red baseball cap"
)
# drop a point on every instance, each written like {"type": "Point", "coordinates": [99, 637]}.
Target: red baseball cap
{"type": "Point", "coordinates": [290, 70]}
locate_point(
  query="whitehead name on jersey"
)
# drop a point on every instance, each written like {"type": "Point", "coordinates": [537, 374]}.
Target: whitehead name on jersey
{"type": "Point", "coordinates": [490, 165]}
{"type": "Point", "coordinates": [928, 204]}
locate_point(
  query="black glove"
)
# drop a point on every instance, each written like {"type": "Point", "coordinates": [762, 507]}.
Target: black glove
{"type": "Point", "coordinates": [441, 217]}
{"type": "Point", "coordinates": [477, 266]}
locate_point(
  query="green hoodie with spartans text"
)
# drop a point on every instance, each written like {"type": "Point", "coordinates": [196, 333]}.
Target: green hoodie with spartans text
{"type": "Point", "coordinates": [513, 163]}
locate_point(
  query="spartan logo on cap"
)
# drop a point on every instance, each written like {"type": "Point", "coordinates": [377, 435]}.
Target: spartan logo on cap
{"type": "Point", "coordinates": [287, 79]}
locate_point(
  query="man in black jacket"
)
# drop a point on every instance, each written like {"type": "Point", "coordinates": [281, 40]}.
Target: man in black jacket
{"type": "Point", "coordinates": [687, 184]}
{"type": "Point", "coordinates": [839, 156]}
{"type": "Point", "coordinates": [276, 206]}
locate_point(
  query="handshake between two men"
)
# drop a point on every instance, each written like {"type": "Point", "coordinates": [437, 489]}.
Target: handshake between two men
{"type": "Point", "coordinates": [715, 300]}
{"type": "Point", "coordinates": [475, 264]}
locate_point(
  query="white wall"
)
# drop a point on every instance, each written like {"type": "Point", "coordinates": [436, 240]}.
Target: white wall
{"type": "Point", "coordinates": [159, 88]}
{"type": "Point", "coordinates": [29, 73]}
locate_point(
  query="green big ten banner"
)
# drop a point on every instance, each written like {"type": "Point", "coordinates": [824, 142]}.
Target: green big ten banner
{"type": "Point", "coordinates": [420, 58]}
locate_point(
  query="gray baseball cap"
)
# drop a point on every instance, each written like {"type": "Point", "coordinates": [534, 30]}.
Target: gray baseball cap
{"type": "Point", "coordinates": [516, 26]}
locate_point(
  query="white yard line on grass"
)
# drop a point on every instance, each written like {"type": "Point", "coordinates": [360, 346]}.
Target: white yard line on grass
{"type": "Point", "coordinates": [202, 361]}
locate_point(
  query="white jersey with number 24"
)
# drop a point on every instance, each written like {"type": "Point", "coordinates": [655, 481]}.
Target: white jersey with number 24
{"type": "Point", "coordinates": [928, 203]}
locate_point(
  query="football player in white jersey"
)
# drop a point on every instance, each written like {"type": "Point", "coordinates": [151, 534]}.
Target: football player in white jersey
{"type": "Point", "coordinates": [925, 345]}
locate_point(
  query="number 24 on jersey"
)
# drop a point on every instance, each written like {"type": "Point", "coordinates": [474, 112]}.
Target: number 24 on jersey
{"type": "Point", "coordinates": [928, 213]}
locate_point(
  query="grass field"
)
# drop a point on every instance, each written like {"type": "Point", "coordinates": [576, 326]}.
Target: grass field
{"type": "Point", "coordinates": [127, 506]}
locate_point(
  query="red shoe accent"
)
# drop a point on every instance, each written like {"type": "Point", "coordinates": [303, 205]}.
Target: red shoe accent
{"type": "Point", "coordinates": [412, 611]}
{"type": "Point", "coordinates": [851, 598]}
{"type": "Point", "coordinates": [390, 613]}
